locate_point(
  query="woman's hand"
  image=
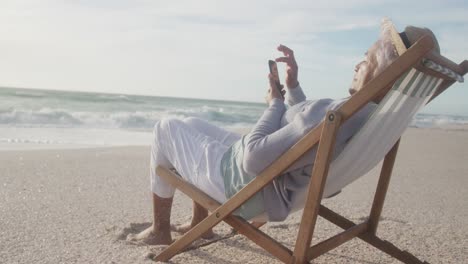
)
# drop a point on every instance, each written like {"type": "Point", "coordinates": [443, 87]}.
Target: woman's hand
{"type": "Point", "coordinates": [273, 91]}
{"type": "Point", "coordinates": [291, 66]}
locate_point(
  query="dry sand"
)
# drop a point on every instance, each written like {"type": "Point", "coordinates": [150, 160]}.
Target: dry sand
{"type": "Point", "coordinates": [76, 206]}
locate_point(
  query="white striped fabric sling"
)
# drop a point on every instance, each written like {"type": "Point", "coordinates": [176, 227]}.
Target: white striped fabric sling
{"type": "Point", "coordinates": [385, 126]}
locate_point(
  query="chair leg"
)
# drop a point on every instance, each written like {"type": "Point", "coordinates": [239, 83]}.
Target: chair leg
{"type": "Point", "coordinates": [316, 185]}
{"type": "Point", "coordinates": [373, 240]}
{"type": "Point", "coordinates": [251, 231]}
{"type": "Point", "coordinates": [382, 187]}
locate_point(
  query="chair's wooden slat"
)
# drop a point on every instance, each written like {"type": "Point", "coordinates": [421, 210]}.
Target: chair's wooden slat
{"type": "Point", "coordinates": [242, 226]}
{"type": "Point", "coordinates": [382, 187]}
{"type": "Point", "coordinates": [316, 185]}
{"type": "Point", "coordinates": [193, 192]}
{"type": "Point", "coordinates": [335, 241]}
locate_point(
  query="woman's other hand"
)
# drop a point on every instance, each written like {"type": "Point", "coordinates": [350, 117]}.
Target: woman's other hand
{"type": "Point", "coordinates": [291, 66]}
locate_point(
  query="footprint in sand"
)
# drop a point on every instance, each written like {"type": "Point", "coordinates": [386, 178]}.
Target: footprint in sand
{"type": "Point", "coordinates": [133, 229]}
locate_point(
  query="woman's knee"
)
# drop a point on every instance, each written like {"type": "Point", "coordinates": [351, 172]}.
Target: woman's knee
{"type": "Point", "coordinates": [165, 126]}
{"type": "Point", "coordinates": [192, 121]}
{"type": "Point", "coordinates": [167, 123]}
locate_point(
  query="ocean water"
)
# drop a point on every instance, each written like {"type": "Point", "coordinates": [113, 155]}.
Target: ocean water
{"type": "Point", "coordinates": [43, 117]}
{"type": "Point", "coordinates": [32, 117]}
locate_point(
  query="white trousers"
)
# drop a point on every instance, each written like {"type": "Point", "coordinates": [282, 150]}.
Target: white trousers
{"type": "Point", "coordinates": [194, 148]}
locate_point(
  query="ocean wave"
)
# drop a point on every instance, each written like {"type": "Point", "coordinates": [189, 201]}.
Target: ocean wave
{"type": "Point", "coordinates": [145, 120]}
{"type": "Point", "coordinates": [48, 117]}
{"type": "Point", "coordinates": [34, 141]}
{"type": "Point", "coordinates": [89, 98]}
{"type": "Point", "coordinates": [219, 115]}
{"type": "Point", "coordinates": [438, 121]}
{"type": "Point", "coordinates": [45, 116]}
{"type": "Point", "coordinates": [116, 98]}
{"type": "Point", "coordinates": [136, 120]}
{"type": "Point", "coordinates": [47, 108]}
{"type": "Point", "coordinates": [29, 94]}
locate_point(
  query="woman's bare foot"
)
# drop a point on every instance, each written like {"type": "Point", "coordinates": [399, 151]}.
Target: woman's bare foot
{"type": "Point", "coordinates": [199, 213]}
{"type": "Point", "coordinates": [151, 237]}
{"type": "Point", "coordinates": [159, 233]}
{"type": "Point", "coordinates": [184, 228]}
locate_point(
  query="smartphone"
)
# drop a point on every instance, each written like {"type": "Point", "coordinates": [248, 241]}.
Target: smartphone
{"type": "Point", "coordinates": [274, 71]}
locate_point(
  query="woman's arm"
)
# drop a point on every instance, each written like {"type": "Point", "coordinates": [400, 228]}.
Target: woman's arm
{"type": "Point", "coordinates": [261, 151]}
{"type": "Point", "coordinates": [295, 94]}
{"type": "Point", "coordinates": [263, 146]}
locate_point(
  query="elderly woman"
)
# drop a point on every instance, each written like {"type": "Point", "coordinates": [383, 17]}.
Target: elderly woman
{"type": "Point", "coordinates": [220, 163]}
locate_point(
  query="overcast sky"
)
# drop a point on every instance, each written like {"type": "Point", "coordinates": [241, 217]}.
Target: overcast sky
{"type": "Point", "coordinates": [209, 49]}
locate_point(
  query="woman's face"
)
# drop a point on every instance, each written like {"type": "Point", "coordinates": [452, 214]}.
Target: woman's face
{"type": "Point", "coordinates": [364, 70]}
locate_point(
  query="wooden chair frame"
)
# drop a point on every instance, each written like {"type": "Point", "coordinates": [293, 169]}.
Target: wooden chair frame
{"type": "Point", "coordinates": [323, 135]}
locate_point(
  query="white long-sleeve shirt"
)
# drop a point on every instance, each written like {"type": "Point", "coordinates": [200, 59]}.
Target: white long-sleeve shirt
{"type": "Point", "coordinates": [275, 132]}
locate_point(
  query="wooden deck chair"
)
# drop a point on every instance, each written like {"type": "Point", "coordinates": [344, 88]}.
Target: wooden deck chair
{"type": "Point", "coordinates": [418, 75]}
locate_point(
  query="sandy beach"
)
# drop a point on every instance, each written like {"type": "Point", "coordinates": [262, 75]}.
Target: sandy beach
{"type": "Point", "coordinates": [78, 205]}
